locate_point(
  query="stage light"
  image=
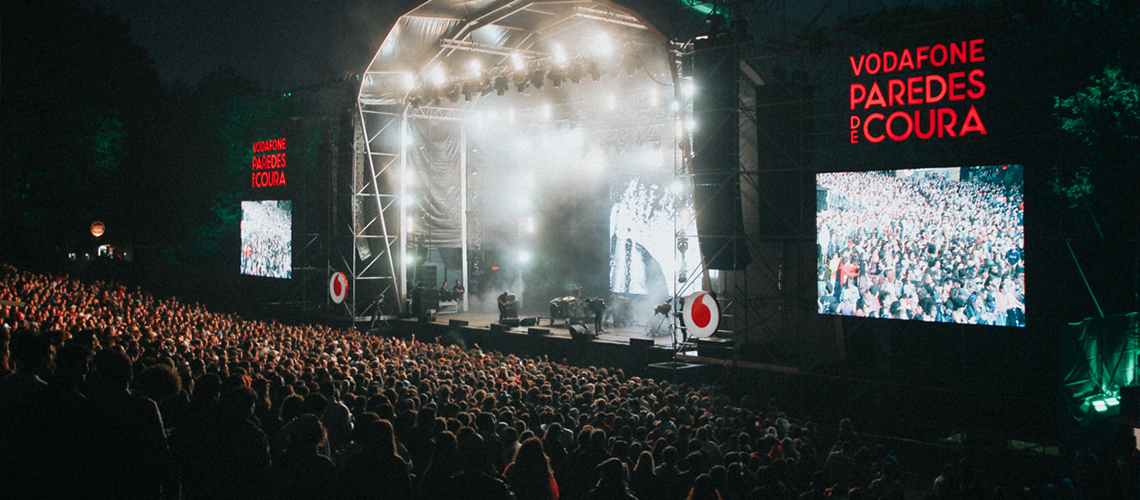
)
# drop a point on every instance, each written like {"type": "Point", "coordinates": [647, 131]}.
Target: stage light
{"type": "Point", "coordinates": [438, 77]}
{"type": "Point", "coordinates": [575, 72]}
{"type": "Point", "coordinates": [501, 86]}
{"type": "Point", "coordinates": [559, 55]}
{"type": "Point", "coordinates": [518, 62]}
{"type": "Point", "coordinates": [688, 88]}
{"type": "Point", "coordinates": [536, 78]}
{"type": "Point", "coordinates": [524, 257]}
{"type": "Point", "coordinates": [476, 68]}
{"type": "Point", "coordinates": [409, 81]}
{"type": "Point", "coordinates": [468, 90]}
{"type": "Point", "coordinates": [675, 106]}
{"type": "Point", "coordinates": [594, 71]}
{"type": "Point", "coordinates": [604, 46]}
{"type": "Point", "coordinates": [690, 124]}
{"type": "Point", "coordinates": [409, 260]}
{"type": "Point", "coordinates": [677, 187]}
{"type": "Point", "coordinates": [453, 93]}
{"type": "Point", "coordinates": [410, 225]}
{"type": "Point", "coordinates": [555, 77]}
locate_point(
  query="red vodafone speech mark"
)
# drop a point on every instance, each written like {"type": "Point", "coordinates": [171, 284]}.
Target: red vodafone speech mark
{"type": "Point", "coordinates": [701, 313]}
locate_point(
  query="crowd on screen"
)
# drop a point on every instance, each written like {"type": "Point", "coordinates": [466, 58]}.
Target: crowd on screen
{"type": "Point", "coordinates": [111, 393]}
{"type": "Point", "coordinates": [923, 247]}
{"type": "Point", "coordinates": [266, 240]}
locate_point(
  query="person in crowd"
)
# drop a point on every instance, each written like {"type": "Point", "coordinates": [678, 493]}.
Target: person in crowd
{"type": "Point", "coordinates": [376, 472]}
{"type": "Point", "coordinates": [529, 474]}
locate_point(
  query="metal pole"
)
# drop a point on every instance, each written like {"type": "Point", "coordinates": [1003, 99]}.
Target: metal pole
{"type": "Point", "coordinates": [463, 208]}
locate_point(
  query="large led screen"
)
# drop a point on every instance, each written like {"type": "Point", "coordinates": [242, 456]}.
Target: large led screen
{"type": "Point", "coordinates": [267, 238]}
{"type": "Point", "coordinates": [933, 244]}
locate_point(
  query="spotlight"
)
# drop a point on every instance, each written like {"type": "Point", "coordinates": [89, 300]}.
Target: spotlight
{"type": "Point", "coordinates": [468, 90]}
{"type": "Point", "coordinates": [555, 77]}
{"type": "Point", "coordinates": [501, 85]}
{"type": "Point", "coordinates": [475, 67]}
{"type": "Point", "coordinates": [437, 76]}
{"type": "Point", "coordinates": [594, 72]}
{"type": "Point", "coordinates": [559, 55]}
{"type": "Point", "coordinates": [575, 72]}
{"type": "Point", "coordinates": [517, 61]}
{"type": "Point", "coordinates": [604, 47]}
{"type": "Point", "coordinates": [409, 81]}
{"type": "Point", "coordinates": [453, 93]}
{"type": "Point", "coordinates": [536, 78]}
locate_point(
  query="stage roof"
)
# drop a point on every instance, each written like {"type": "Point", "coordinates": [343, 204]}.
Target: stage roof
{"type": "Point", "coordinates": [444, 43]}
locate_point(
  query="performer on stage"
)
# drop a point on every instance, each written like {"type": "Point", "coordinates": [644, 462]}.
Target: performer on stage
{"type": "Point", "coordinates": [458, 289]}
{"type": "Point", "coordinates": [597, 306]}
{"type": "Point", "coordinates": [444, 294]}
{"type": "Point", "coordinates": [506, 300]}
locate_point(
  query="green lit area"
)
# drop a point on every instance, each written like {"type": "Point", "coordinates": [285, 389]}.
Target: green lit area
{"type": "Point", "coordinates": [702, 7]}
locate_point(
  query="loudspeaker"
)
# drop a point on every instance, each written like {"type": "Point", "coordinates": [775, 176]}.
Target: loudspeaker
{"type": "Point", "coordinates": [716, 152]}
{"type": "Point", "coordinates": [511, 322]}
{"type": "Point", "coordinates": [537, 331]}
{"type": "Point", "coordinates": [529, 322]}
{"type": "Point", "coordinates": [640, 343]}
{"type": "Point", "coordinates": [498, 329]}
{"type": "Point", "coordinates": [457, 322]}
{"type": "Point", "coordinates": [580, 332]}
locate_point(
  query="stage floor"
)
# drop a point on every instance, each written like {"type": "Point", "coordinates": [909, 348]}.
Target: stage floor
{"type": "Point", "coordinates": [617, 335]}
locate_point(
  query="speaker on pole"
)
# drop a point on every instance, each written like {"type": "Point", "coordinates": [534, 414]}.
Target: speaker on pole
{"type": "Point", "coordinates": [716, 150]}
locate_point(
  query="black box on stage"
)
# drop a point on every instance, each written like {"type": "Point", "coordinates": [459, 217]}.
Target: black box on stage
{"type": "Point", "coordinates": [714, 348]}
{"type": "Point", "coordinates": [529, 322]}
{"type": "Point", "coordinates": [580, 332]}
{"type": "Point", "coordinates": [497, 328]}
{"type": "Point", "coordinates": [538, 331]}
{"type": "Point", "coordinates": [635, 342]}
{"type": "Point", "coordinates": [511, 322]}
{"type": "Point", "coordinates": [456, 322]}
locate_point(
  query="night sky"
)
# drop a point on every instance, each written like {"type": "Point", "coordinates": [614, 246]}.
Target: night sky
{"type": "Point", "coordinates": [286, 44]}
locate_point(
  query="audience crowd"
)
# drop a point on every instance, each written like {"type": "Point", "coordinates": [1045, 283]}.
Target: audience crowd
{"type": "Point", "coordinates": [112, 393]}
{"type": "Point", "coordinates": [923, 247]}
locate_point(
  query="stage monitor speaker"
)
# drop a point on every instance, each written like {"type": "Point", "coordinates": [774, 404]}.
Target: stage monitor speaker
{"type": "Point", "coordinates": [457, 322]}
{"type": "Point", "coordinates": [640, 343]}
{"type": "Point", "coordinates": [537, 331]}
{"type": "Point", "coordinates": [498, 329]}
{"type": "Point", "coordinates": [428, 316]}
{"type": "Point", "coordinates": [716, 152]}
{"type": "Point", "coordinates": [580, 332]}
{"type": "Point", "coordinates": [529, 322]}
{"type": "Point", "coordinates": [511, 322]}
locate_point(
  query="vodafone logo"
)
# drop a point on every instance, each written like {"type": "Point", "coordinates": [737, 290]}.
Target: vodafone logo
{"type": "Point", "coordinates": [338, 287]}
{"type": "Point", "coordinates": [701, 314]}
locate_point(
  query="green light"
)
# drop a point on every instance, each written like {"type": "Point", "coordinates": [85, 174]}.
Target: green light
{"type": "Point", "coordinates": [1099, 405]}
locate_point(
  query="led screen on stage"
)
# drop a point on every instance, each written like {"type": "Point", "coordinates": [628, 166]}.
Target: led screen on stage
{"type": "Point", "coordinates": [644, 254]}
{"type": "Point", "coordinates": [933, 244]}
{"type": "Point", "coordinates": [267, 238]}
